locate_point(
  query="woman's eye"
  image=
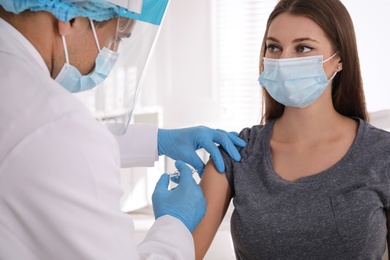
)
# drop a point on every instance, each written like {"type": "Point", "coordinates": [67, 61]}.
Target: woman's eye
{"type": "Point", "coordinates": [304, 49]}
{"type": "Point", "coordinates": [272, 48]}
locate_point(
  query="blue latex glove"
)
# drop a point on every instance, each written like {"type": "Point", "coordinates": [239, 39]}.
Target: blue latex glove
{"type": "Point", "coordinates": [181, 144]}
{"type": "Point", "coordinates": [185, 202]}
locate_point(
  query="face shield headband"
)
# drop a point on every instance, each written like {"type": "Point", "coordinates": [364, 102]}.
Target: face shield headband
{"type": "Point", "coordinates": [113, 101]}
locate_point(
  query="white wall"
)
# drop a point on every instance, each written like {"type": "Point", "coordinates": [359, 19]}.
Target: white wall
{"type": "Point", "coordinates": [372, 20]}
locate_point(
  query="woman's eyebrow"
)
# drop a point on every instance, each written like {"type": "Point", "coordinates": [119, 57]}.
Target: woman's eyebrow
{"type": "Point", "coordinates": [304, 39]}
{"type": "Point", "coordinates": [295, 40]}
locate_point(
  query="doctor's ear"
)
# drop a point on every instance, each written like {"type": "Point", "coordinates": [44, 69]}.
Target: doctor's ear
{"type": "Point", "coordinates": [65, 27]}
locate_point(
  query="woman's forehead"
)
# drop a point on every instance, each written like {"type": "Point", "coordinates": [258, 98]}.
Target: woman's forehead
{"type": "Point", "coordinates": [294, 27]}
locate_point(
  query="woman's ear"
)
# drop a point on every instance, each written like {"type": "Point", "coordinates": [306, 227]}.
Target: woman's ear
{"type": "Point", "coordinates": [340, 66]}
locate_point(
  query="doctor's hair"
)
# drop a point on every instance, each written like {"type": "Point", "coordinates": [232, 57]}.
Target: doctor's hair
{"type": "Point", "coordinates": [334, 19]}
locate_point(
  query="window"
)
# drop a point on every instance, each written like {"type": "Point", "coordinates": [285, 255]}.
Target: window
{"type": "Point", "coordinates": [239, 29]}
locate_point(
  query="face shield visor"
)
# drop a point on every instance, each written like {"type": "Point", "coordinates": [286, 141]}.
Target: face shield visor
{"type": "Point", "coordinates": [112, 102]}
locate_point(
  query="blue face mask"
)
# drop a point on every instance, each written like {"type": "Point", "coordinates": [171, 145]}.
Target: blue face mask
{"type": "Point", "coordinates": [71, 78]}
{"type": "Point", "coordinates": [295, 82]}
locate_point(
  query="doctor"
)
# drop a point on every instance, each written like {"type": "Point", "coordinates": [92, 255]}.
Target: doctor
{"type": "Point", "coordinates": [59, 167]}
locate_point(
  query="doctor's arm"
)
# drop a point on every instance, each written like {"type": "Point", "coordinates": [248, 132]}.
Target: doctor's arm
{"type": "Point", "coordinates": [142, 144]}
{"type": "Point", "coordinates": [217, 192]}
{"type": "Point", "coordinates": [71, 199]}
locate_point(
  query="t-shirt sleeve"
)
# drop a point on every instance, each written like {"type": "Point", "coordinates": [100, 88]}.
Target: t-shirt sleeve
{"type": "Point", "coordinates": [229, 162]}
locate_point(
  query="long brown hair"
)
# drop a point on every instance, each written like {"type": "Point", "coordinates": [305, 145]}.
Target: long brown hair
{"type": "Point", "coordinates": [347, 87]}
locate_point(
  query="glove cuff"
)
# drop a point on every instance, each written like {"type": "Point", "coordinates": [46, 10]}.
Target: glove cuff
{"type": "Point", "coordinates": [161, 135]}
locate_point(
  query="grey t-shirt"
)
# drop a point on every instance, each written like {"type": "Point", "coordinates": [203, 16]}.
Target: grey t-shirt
{"type": "Point", "coordinates": [336, 214]}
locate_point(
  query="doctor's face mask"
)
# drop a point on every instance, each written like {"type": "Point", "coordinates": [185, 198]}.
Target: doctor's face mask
{"type": "Point", "coordinates": [71, 78]}
{"type": "Point", "coordinates": [295, 82]}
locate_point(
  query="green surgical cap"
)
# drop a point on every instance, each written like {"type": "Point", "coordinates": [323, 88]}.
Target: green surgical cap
{"type": "Point", "coordinates": [65, 10]}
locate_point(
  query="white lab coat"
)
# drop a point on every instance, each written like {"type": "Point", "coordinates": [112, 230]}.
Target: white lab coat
{"type": "Point", "coordinates": [59, 172]}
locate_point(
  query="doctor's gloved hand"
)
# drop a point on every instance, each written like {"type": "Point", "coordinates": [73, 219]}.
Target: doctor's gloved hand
{"type": "Point", "coordinates": [185, 202]}
{"type": "Point", "coordinates": [181, 144]}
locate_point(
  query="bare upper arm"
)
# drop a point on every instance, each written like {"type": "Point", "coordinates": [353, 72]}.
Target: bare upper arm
{"type": "Point", "coordinates": [216, 189]}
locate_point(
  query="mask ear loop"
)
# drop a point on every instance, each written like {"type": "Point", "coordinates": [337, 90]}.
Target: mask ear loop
{"type": "Point", "coordinates": [334, 75]}
{"type": "Point", "coordinates": [330, 57]}
{"type": "Point", "coordinates": [94, 34]}
{"type": "Point", "coordinates": [65, 49]}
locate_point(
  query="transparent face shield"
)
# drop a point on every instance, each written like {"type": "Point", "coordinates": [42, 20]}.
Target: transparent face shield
{"type": "Point", "coordinates": [112, 102]}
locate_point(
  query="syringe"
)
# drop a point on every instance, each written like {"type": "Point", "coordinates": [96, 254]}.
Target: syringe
{"type": "Point", "coordinates": [175, 176]}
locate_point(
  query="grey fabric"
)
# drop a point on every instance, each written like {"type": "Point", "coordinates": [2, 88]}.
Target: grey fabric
{"type": "Point", "coordinates": [336, 214]}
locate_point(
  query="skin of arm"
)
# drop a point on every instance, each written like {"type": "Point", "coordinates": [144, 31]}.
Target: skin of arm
{"type": "Point", "coordinates": [217, 191]}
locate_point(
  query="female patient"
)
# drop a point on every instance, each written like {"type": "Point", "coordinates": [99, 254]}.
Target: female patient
{"type": "Point", "coordinates": [313, 182]}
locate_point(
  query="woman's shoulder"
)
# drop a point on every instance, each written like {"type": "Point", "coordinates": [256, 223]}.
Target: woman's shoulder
{"type": "Point", "coordinates": [256, 138]}
{"type": "Point", "coordinates": [373, 136]}
{"type": "Point", "coordinates": [250, 134]}
{"type": "Point", "coordinates": [373, 131]}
